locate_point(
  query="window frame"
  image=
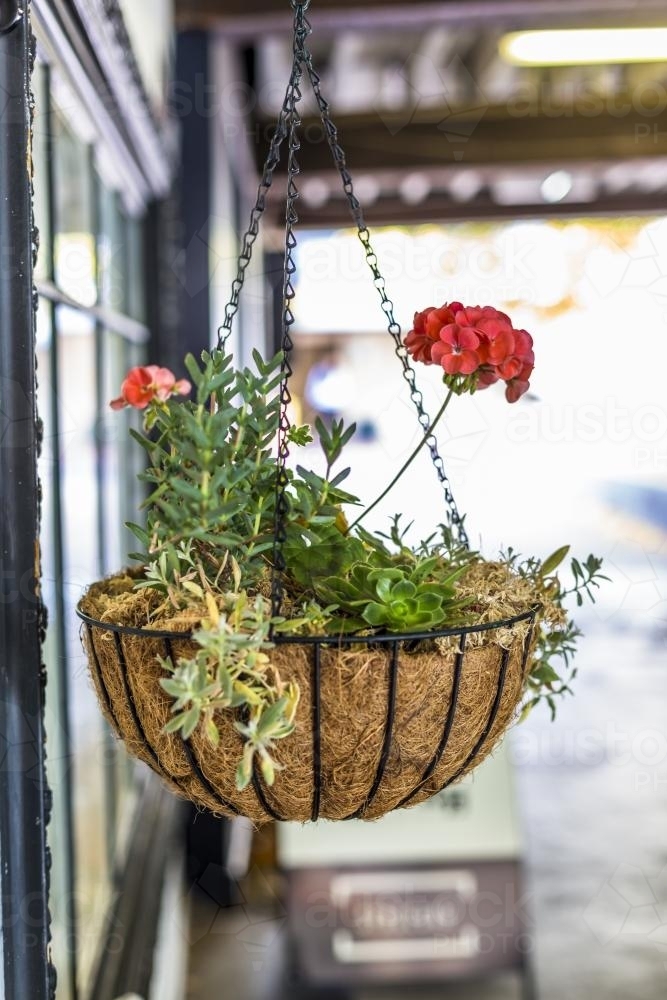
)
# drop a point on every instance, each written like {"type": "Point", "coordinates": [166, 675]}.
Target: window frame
{"type": "Point", "coordinates": [151, 834]}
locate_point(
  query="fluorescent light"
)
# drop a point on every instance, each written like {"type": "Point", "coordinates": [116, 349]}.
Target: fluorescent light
{"type": "Point", "coordinates": [584, 46]}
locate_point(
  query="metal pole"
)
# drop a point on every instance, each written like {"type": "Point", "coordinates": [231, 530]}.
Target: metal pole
{"type": "Point", "coordinates": [24, 794]}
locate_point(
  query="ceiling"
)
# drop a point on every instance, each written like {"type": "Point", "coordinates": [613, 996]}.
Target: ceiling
{"type": "Point", "coordinates": [434, 121]}
{"type": "Point", "coordinates": [336, 14]}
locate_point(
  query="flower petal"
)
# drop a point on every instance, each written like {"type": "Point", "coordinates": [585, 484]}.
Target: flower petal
{"type": "Point", "coordinates": [419, 321]}
{"type": "Point", "coordinates": [486, 378]}
{"type": "Point", "coordinates": [468, 339]}
{"type": "Point", "coordinates": [419, 346]}
{"type": "Point", "coordinates": [515, 390]}
{"type": "Point", "coordinates": [451, 363]}
{"type": "Point", "coordinates": [440, 351]}
{"type": "Point", "coordinates": [469, 362]}
{"type": "Point", "coordinates": [510, 368]}
{"type": "Point", "coordinates": [501, 347]}
{"type": "Point", "coordinates": [163, 383]}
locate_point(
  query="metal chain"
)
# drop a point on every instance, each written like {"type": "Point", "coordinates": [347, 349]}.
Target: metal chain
{"type": "Point", "coordinates": [271, 162]}
{"type": "Point", "coordinates": [282, 504]}
{"type": "Point", "coordinates": [387, 305]}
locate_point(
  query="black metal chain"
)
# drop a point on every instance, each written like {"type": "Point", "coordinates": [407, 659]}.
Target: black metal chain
{"type": "Point", "coordinates": [251, 233]}
{"type": "Point", "coordinates": [387, 305]}
{"type": "Point", "coordinates": [287, 126]}
{"type": "Point", "coordinates": [282, 506]}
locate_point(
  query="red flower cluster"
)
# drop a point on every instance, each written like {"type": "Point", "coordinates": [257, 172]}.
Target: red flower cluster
{"type": "Point", "coordinates": [474, 340]}
{"type": "Point", "coordinates": [144, 384]}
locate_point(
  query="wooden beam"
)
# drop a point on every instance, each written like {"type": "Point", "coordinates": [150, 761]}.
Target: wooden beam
{"type": "Point", "coordinates": [337, 15]}
{"type": "Point", "coordinates": [486, 136]}
{"type": "Point", "coordinates": [393, 212]}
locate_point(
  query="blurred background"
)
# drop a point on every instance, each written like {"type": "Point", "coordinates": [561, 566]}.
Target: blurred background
{"type": "Point", "coordinates": [505, 152]}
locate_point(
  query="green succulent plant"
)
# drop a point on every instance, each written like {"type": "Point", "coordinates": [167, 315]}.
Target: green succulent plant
{"type": "Point", "coordinates": [398, 599]}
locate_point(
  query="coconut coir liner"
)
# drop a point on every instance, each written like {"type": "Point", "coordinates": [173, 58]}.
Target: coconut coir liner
{"type": "Point", "coordinates": [354, 697]}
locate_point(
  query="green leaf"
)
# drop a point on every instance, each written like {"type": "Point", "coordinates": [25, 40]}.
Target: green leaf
{"type": "Point", "coordinates": [424, 568]}
{"type": "Point", "coordinates": [339, 478]}
{"type": "Point", "coordinates": [348, 435]}
{"type": "Point", "coordinates": [323, 434]}
{"type": "Point", "coordinates": [172, 687]}
{"type": "Point", "coordinates": [271, 716]}
{"type": "Point", "coordinates": [138, 532]}
{"type": "Point", "coordinates": [144, 441]}
{"type": "Point", "coordinates": [190, 722]}
{"type": "Point", "coordinates": [527, 709]}
{"type": "Point", "coordinates": [375, 614]}
{"type": "Point", "coordinates": [383, 587]}
{"type": "Point", "coordinates": [193, 369]}
{"type": "Point", "coordinates": [186, 490]}
{"type": "Point", "coordinates": [268, 769]}
{"type": "Point", "coordinates": [430, 601]}
{"type": "Point", "coordinates": [546, 674]}
{"type": "Point", "coordinates": [212, 733]}
{"type": "Point", "coordinates": [403, 590]}
{"type": "Point", "coordinates": [174, 724]}
{"type": "Point", "coordinates": [553, 561]}
{"type": "Point", "coordinates": [243, 774]}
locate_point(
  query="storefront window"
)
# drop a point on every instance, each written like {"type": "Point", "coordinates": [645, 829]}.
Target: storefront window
{"type": "Point", "coordinates": [89, 277]}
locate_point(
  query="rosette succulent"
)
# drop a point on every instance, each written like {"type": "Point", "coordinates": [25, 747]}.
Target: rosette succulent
{"type": "Point", "coordinates": [396, 599]}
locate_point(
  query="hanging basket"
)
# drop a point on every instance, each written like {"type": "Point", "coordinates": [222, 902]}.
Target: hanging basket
{"type": "Point", "coordinates": [384, 720]}
{"type": "Point", "coordinates": [382, 723]}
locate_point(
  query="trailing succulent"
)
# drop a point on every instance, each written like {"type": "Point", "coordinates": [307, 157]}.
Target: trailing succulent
{"type": "Point", "coordinates": [207, 545]}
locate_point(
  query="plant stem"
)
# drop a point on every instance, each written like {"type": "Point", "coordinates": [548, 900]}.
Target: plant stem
{"type": "Point", "coordinates": [406, 464]}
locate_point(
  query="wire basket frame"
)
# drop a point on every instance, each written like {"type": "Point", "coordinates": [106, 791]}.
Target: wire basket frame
{"type": "Point", "coordinates": [393, 644]}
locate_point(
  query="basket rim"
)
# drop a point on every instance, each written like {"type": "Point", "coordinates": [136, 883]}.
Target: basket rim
{"type": "Point", "coordinates": [326, 640]}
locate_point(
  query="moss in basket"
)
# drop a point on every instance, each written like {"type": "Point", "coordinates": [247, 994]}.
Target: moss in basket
{"type": "Point", "coordinates": [208, 541]}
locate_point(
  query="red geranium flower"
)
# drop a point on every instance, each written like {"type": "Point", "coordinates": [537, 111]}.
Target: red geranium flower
{"type": "Point", "coordinates": [474, 340]}
{"type": "Point", "coordinates": [426, 328]}
{"type": "Point", "coordinates": [148, 382]}
{"type": "Point", "coordinates": [456, 350]}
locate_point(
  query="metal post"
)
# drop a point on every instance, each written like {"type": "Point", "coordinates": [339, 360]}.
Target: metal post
{"type": "Point", "coordinates": [193, 70]}
{"type": "Point", "coordinates": [24, 795]}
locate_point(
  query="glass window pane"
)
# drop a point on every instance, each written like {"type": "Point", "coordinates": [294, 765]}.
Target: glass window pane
{"type": "Point", "coordinates": [111, 249]}
{"type": "Point", "coordinates": [74, 241]}
{"type": "Point", "coordinates": [92, 750]}
{"type": "Point", "coordinates": [134, 286]}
